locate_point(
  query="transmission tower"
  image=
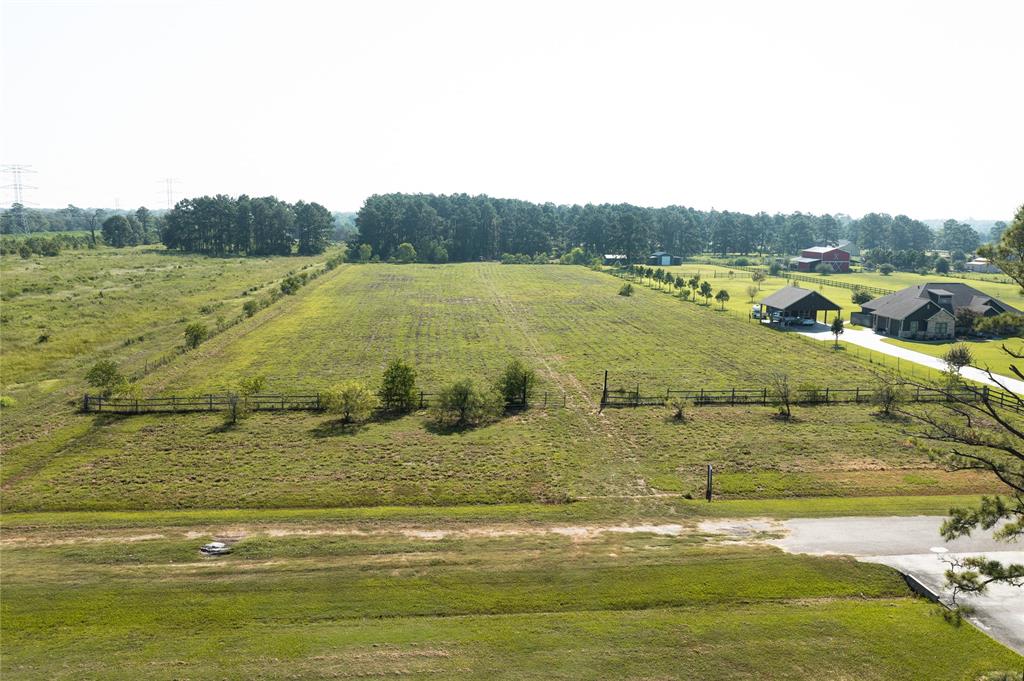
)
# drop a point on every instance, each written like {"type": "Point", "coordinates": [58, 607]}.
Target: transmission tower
{"type": "Point", "coordinates": [169, 183]}
{"type": "Point", "coordinates": [17, 185]}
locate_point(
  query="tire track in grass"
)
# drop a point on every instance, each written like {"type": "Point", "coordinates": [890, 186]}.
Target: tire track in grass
{"type": "Point", "coordinates": [594, 421]}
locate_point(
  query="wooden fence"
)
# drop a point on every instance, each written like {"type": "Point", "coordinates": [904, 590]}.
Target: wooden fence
{"type": "Point", "coordinates": [824, 396]}
{"type": "Point", "coordinates": [223, 402]}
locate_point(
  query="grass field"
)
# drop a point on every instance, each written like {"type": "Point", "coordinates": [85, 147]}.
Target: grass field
{"type": "Point", "coordinates": [469, 320]}
{"type": "Point", "coordinates": [398, 548]}
{"type": "Point", "coordinates": [516, 601]}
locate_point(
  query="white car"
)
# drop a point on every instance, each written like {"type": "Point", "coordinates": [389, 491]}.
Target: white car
{"type": "Point", "coordinates": [808, 322]}
{"type": "Point", "coordinates": [215, 548]}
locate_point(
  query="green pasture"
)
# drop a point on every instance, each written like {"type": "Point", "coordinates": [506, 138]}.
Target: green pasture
{"type": "Point", "coordinates": [338, 600]}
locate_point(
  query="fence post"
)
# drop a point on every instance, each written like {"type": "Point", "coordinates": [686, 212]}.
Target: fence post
{"type": "Point", "coordinates": [733, 402]}
{"type": "Point", "coordinates": [856, 395]}
{"type": "Point", "coordinates": [826, 395]}
{"type": "Point", "coordinates": [85, 402]}
{"type": "Point", "coordinates": [210, 397]}
{"type": "Point", "coordinates": [545, 399]}
{"type": "Point", "coordinates": [421, 399]}
{"type": "Point", "coordinates": [764, 397]}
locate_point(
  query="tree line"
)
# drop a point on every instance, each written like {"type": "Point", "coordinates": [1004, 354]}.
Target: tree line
{"type": "Point", "coordinates": [223, 225]}
{"type": "Point", "coordinates": [461, 227]}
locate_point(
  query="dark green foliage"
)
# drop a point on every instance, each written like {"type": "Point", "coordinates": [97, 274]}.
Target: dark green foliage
{"type": "Point", "coordinates": [886, 269]}
{"type": "Point", "coordinates": [106, 377]}
{"type": "Point", "coordinates": [1005, 324]}
{"type": "Point", "coordinates": [398, 387]}
{"type": "Point", "coordinates": [626, 290]}
{"type": "Point", "coordinates": [250, 307]}
{"type": "Point", "coordinates": [516, 383]}
{"type": "Point", "coordinates": [195, 333]}
{"type": "Point", "coordinates": [405, 253]}
{"type": "Point", "coordinates": [957, 357]}
{"type": "Point", "coordinates": [220, 225]}
{"type": "Point", "coordinates": [463, 403]}
{"type": "Point", "coordinates": [860, 296]}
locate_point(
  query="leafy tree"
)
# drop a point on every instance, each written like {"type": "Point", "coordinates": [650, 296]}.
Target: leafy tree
{"type": "Point", "coordinates": [195, 333]}
{"type": "Point", "coordinates": [705, 291]}
{"type": "Point", "coordinates": [758, 277]}
{"type": "Point", "coordinates": [722, 297]}
{"type": "Point", "coordinates": [398, 387]}
{"type": "Point", "coordinates": [117, 231]}
{"type": "Point", "coordinates": [1003, 324]}
{"type": "Point", "coordinates": [106, 377]}
{"type": "Point", "coordinates": [250, 307]}
{"type": "Point", "coordinates": [966, 318]}
{"type": "Point", "coordinates": [462, 403]}
{"type": "Point", "coordinates": [1008, 252]}
{"type": "Point", "coordinates": [958, 236]}
{"type": "Point", "coordinates": [886, 269]}
{"type": "Point", "coordinates": [942, 266]}
{"type": "Point", "coordinates": [752, 291]}
{"type": "Point", "coordinates": [837, 329]}
{"type": "Point", "coordinates": [888, 397]}
{"type": "Point", "coordinates": [957, 357]}
{"type": "Point", "coordinates": [365, 252]}
{"type": "Point", "coordinates": [405, 253]}
{"type": "Point", "coordinates": [694, 284]}
{"type": "Point", "coordinates": [313, 227]}
{"type": "Point", "coordinates": [685, 293]}
{"type": "Point", "coordinates": [238, 402]}
{"type": "Point", "coordinates": [352, 400]}
{"type": "Point", "coordinates": [516, 383]}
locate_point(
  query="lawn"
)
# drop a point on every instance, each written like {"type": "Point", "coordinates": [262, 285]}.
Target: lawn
{"type": "Point", "coordinates": [988, 354]}
{"type": "Point", "coordinates": [513, 601]}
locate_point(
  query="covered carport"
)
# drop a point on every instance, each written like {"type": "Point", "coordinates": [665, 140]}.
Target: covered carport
{"type": "Point", "coordinates": [794, 304]}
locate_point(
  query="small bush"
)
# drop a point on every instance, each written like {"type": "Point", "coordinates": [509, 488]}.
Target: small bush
{"type": "Point", "coordinates": [516, 383]}
{"type": "Point", "coordinates": [105, 377]}
{"type": "Point", "coordinates": [626, 290]}
{"type": "Point", "coordinates": [398, 388]}
{"type": "Point", "coordinates": [250, 308]}
{"type": "Point", "coordinates": [6, 402]}
{"type": "Point", "coordinates": [886, 269]}
{"type": "Point", "coordinates": [860, 296]}
{"type": "Point", "coordinates": [462, 404]}
{"type": "Point", "coordinates": [195, 333]}
{"type": "Point", "coordinates": [352, 400]}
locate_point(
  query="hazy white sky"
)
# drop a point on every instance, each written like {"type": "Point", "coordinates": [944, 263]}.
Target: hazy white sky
{"type": "Point", "coordinates": [901, 107]}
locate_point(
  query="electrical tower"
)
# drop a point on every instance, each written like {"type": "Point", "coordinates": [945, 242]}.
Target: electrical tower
{"type": "Point", "coordinates": [17, 185]}
{"type": "Point", "coordinates": [169, 183]}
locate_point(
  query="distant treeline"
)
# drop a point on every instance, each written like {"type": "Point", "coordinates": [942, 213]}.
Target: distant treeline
{"type": "Point", "coordinates": [221, 225]}
{"type": "Point", "coordinates": [460, 227]}
{"type": "Point", "coordinates": [19, 219]}
{"type": "Point", "coordinates": [48, 245]}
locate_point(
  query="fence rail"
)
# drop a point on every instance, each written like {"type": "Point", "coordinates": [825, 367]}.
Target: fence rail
{"type": "Point", "coordinates": [222, 402]}
{"type": "Point", "coordinates": [826, 281]}
{"type": "Point", "coordinates": [825, 396]}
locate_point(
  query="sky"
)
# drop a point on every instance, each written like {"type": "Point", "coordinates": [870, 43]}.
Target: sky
{"type": "Point", "coordinates": [838, 107]}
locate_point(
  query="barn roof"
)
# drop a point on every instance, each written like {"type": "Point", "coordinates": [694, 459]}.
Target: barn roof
{"type": "Point", "coordinates": [802, 298]}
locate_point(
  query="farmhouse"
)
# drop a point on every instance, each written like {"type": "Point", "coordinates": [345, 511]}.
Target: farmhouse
{"type": "Point", "coordinates": [794, 304]}
{"type": "Point", "coordinates": [615, 259]}
{"type": "Point", "coordinates": [927, 311]}
{"type": "Point", "coordinates": [810, 258]}
{"type": "Point", "coordinates": [664, 259]}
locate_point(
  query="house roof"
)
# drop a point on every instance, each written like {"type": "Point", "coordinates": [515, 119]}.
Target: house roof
{"type": "Point", "coordinates": [804, 298]}
{"type": "Point", "coordinates": [660, 253]}
{"type": "Point", "coordinates": [907, 301]}
{"type": "Point", "coordinates": [805, 259]}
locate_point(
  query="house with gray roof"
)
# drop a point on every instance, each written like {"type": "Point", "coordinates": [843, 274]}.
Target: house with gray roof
{"type": "Point", "coordinates": [927, 311]}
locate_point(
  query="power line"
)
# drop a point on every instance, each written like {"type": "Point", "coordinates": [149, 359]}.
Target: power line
{"type": "Point", "coordinates": [169, 183]}
{"type": "Point", "coordinates": [17, 185]}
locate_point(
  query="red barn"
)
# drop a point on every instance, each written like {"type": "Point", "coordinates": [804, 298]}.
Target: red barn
{"type": "Point", "coordinates": [810, 258]}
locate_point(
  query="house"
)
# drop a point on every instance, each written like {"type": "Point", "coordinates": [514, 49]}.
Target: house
{"type": "Point", "coordinates": [615, 259]}
{"type": "Point", "coordinates": [981, 265]}
{"type": "Point", "coordinates": [794, 305]}
{"type": "Point", "coordinates": [664, 259]}
{"type": "Point", "coordinates": [810, 258]}
{"type": "Point", "coordinates": [927, 311]}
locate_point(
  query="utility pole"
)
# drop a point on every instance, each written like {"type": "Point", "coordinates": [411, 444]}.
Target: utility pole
{"type": "Point", "coordinates": [17, 185]}
{"type": "Point", "coordinates": [169, 183]}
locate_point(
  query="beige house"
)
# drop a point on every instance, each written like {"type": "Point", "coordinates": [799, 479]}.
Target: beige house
{"type": "Point", "coordinates": [926, 312]}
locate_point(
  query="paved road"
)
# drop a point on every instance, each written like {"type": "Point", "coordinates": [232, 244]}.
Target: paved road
{"type": "Point", "coordinates": [866, 338]}
{"type": "Point", "coordinates": [913, 546]}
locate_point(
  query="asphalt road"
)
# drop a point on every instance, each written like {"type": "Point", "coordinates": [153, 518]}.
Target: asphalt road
{"type": "Point", "coordinates": [913, 546]}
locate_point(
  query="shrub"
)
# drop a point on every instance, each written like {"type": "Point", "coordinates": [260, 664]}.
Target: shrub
{"type": "Point", "coordinates": [291, 284]}
{"type": "Point", "coordinates": [860, 296]}
{"type": "Point", "coordinates": [775, 268]}
{"type": "Point", "coordinates": [823, 269]}
{"type": "Point", "coordinates": [957, 357]}
{"type": "Point", "coordinates": [886, 269]}
{"type": "Point", "coordinates": [398, 388]}
{"type": "Point", "coordinates": [195, 333]}
{"type": "Point", "coordinates": [516, 383]}
{"type": "Point", "coordinates": [888, 397]}
{"type": "Point", "coordinates": [463, 403]}
{"type": "Point", "coordinates": [250, 308]}
{"type": "Point", "coordinates": [105, 377]}
{"type": "Point", "coordinates": [252, 385]}
{"type": "Point", "coordinates": [1005, 324]}
{"type": "Point", "coordinates": [6, 402]}
{"type": "Point", "coordinates": [352, 400]}
{"type": "Point", "coordinates": [405, 253]}
{"type": "Point", "coordinates": [741, 262]}
{"type": "Point", "coordinates": [335, 260]}
{"type": "Point", "coordinates": [810, 393]}
{"type": "Point", "coordinates": [626, 290]}
{"type": "Point", "coordinates": [365, 252]}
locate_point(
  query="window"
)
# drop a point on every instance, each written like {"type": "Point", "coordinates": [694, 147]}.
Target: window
{"type": "Point", "coordinates": [912, 326]}
{"type": "Point", "coordinates": [941, 328]}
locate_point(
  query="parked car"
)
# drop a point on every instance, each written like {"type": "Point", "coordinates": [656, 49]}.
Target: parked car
{"type": "Point", "coordinates": [215, 548]}
{"type": "Point", "coordinates": [808, 322]}
{"type": "Point", "coordinates": [755, 311]}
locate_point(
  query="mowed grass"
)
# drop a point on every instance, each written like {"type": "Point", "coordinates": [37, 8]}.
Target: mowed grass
{"type": "Point", "coordinates": [337, 600]}
{"type": "Point", "coordinates": [987, 354]}
{"type": "Point", "coordinates": [468, 320]}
